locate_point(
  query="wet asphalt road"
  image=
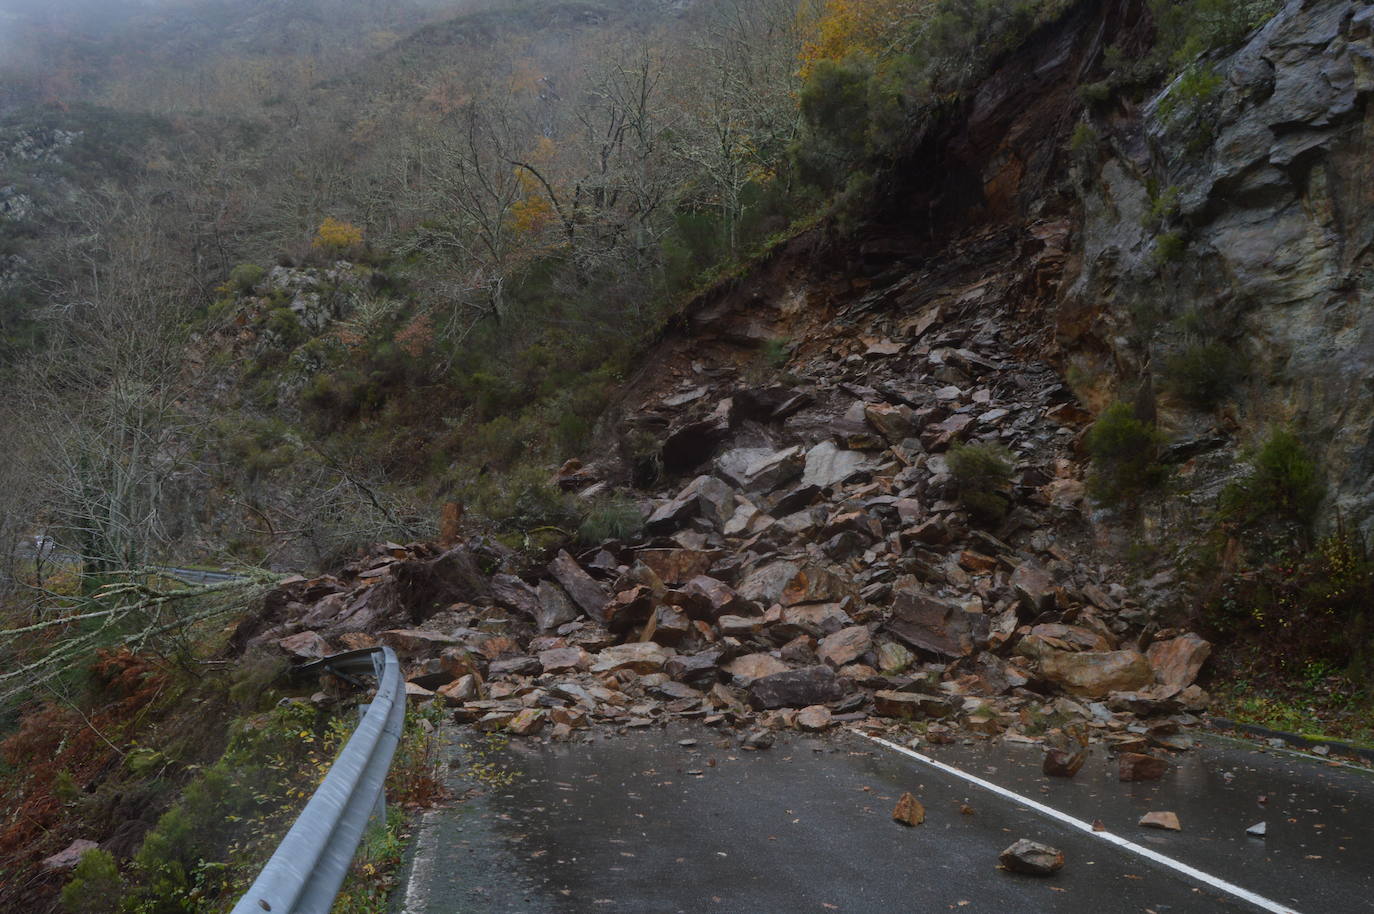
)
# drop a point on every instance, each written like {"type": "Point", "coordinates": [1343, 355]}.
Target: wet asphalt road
{"type": "Point", "coordinates": [639, 823]}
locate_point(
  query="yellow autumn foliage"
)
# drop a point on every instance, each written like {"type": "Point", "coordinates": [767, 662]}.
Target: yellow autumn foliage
{"type": "Point", "coordinates": [335, 235]}
{"type": "Point", "coordinates": [533, 211]}
{"type": "Point", "coordinates": [844, 27]}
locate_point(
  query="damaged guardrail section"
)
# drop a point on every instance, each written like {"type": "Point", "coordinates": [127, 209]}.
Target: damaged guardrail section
{"type": "Point", "coordinates": [309, 865]}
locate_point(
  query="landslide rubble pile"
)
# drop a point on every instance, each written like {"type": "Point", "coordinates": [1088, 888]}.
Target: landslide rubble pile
{"type": "Point", "coordinates": [813, 567]}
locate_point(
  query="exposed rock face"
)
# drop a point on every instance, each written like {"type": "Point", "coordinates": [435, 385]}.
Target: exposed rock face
{"type": "Point", "coordinates": [1271, 176]}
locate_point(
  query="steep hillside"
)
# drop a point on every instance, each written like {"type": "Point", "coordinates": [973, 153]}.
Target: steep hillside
{"type": "Point", "coordinates": [999, 369]}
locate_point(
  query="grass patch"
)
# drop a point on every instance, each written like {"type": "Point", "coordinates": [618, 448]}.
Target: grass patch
{"type": "Point", "coordinates": [615, 518]}
{"type": "Point", "coordinates": [1313, 700]}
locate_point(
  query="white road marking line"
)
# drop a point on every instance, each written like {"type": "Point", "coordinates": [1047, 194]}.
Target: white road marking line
{"type": "Point", "coordinates": [1207, 878]}
{"type": "Point", "coordinates": [422, 865]}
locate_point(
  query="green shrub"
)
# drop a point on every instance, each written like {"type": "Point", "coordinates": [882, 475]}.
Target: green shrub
{"type": "Point", "coordinates": [611, 518]}
{"type": "Point", "coordinates": [497, 444]}
{"type": "Point", "coordinates": [1125, 456]}
{"type": "Point", "coordinates": [254, 680]}
{"type": "Point", "coordinates": [775, 353]}
{"type": "Point", "coordinates": [1095, 93]}
{"type": "Point", "coordinates": [1203, 374]}
{"type": "Point", "coordinates": [1163, 206]}
{"type": "Point", "coordinates": [493, 394]}
{"type": "Point", "coordinates": [65, 788]}
{"type": "Point", "coordinates": [286, 327]}
{"type": "Point", "coordinates": [1084, 138]}
{"type": "Point", "coordinates": [520, 500]}
{"type": "Point", "coordinates": [245, 277]}
{"type": "Point", "coordinates": [343, 395]}
{"type": "Point", "coordinates": [1169, 247]}
{"type": "Point", "coordinates": [220, 309]}
{"type": "Point", "coordinates": [834, 107]}
{"type": "Point", "coordinates": [1191, 94]}
{"type": "Point", "coordinates": [1283, 484]}
{"type": "Point", "coordinates": [264, 391]}
{"type": "Point", "coordinates": [571, 433]}
{"type": "Point", "coordinates": [1314, 602]}
{"type": "Point", "coordinates": [1186, 29]}
{"type": "Point", "coordinates": [982, 472]}
{"type": "Point", "coordinates": [95, 885]}
{"type": "Point", "coordinates": [227, 820]}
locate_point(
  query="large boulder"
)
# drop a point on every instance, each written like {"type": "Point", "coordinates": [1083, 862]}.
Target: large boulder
{"type": "Point", "coordinates": [765, 584]}
{"type": "Point", "coordinates": [827, 465]}
{"type": "Point", "coordinates": [699, 670]}
{"type": "Point", "coordinates": [69, 857]}
{"type": "Point", "coordinates": [816, 584]}
{"type": "Point", "coordinates": [675, 566]}
{"type": "Point", "coordinates": [705, 496]}
{"type": "Point", "coordinates": [747, 668]}
{"type": "Point", "coordinates": [704, 597]}
{"type": "Point", "coordinates": [303, 647]}
{"type": "Point", "coordinates": [790, 583]}
{"type": "Point", "coordinates": [585, 592]}
{"type": "Point", "coordinates": [1034, 587]}
{"type": "Point", "coordinates": [814, 619]}
{"type": "Point", "coordinates": [812, 685]}
{"type": "Point", "coordinates": [639, 657]}
{"type": "Point", "coordinates": [1176, 662]}
{"type": "Point", "coordinates": [552, 607]}
{"type": "Point", "coordinates": [513, 593]}
{"type": "Point", "coordinates": [895, 423]}
{"type": "Point", "coordinates": [845, 646]}
{"type": "Point", "coordinates": [931, 624]}
{"type": "Point", "coordinates": [911, 705]}
{"type": "Point", "coordinates": [409, 643]}
{"type": "Point", "coordinates": [762, 470]}
{"type": "Point", "coordinates": [1095, 674]}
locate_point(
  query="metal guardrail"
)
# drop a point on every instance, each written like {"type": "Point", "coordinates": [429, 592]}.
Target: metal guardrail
{"type": "Point", "coordinates": [309, 865]}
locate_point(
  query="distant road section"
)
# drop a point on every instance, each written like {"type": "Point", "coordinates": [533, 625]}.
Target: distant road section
{"type": "Point", "coordinates": [53, 554]}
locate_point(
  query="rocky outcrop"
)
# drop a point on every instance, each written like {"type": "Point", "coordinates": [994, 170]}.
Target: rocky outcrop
{"type": "Point", "coordinates": [1262, 189]}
